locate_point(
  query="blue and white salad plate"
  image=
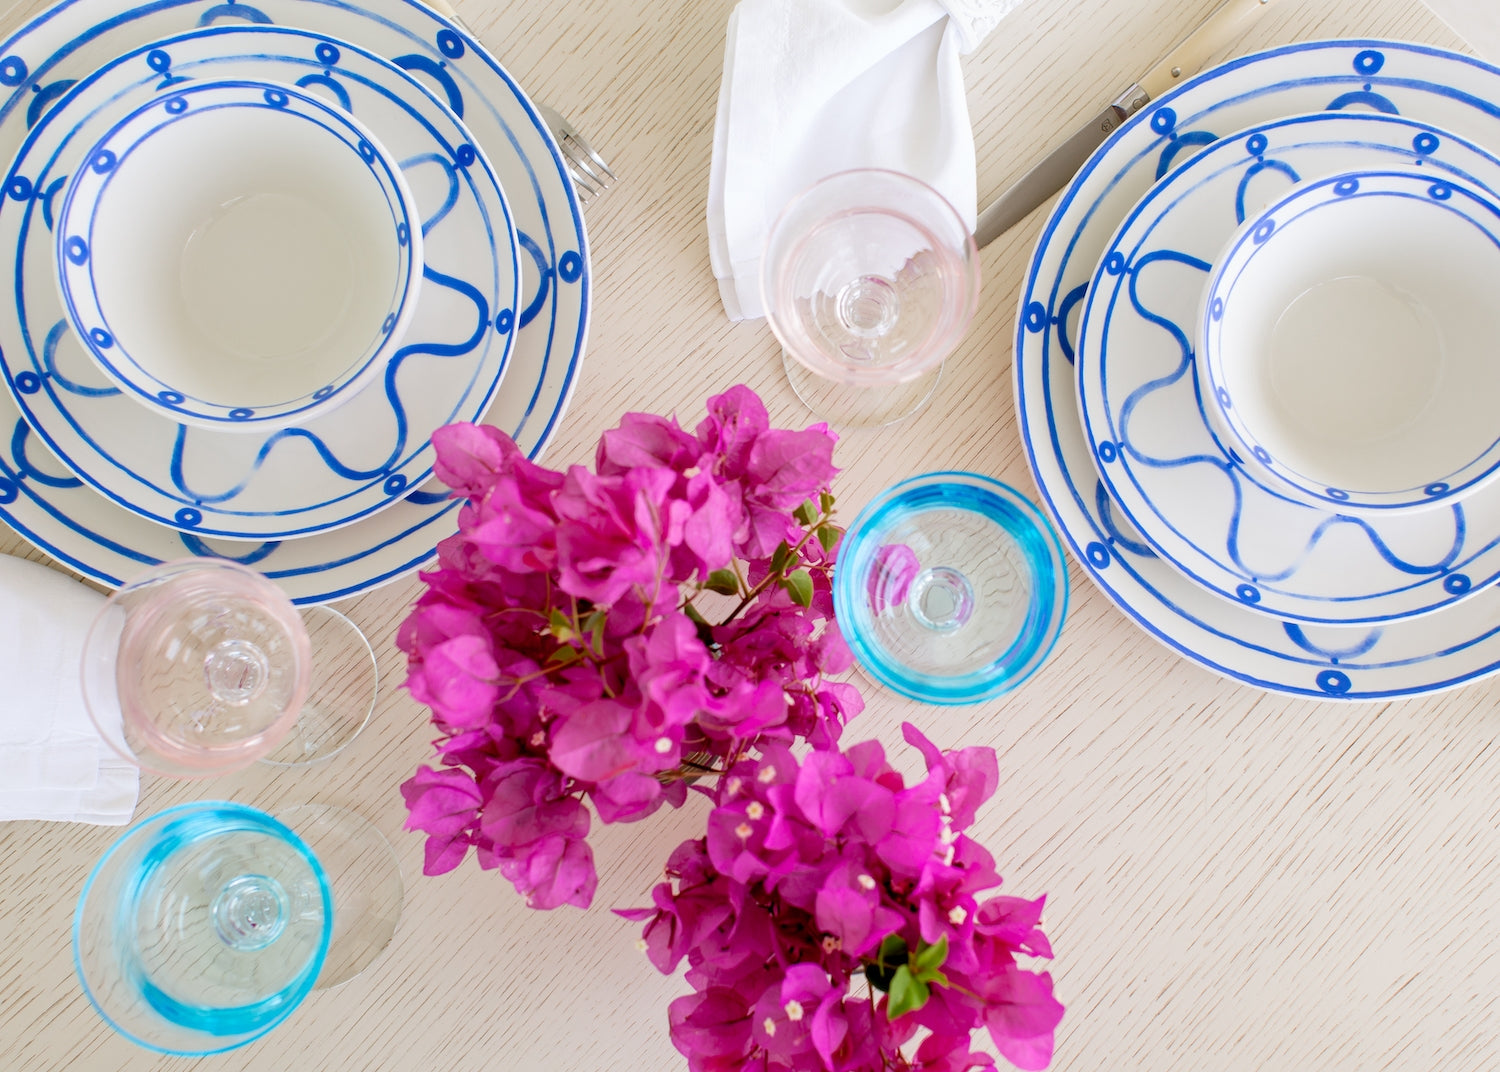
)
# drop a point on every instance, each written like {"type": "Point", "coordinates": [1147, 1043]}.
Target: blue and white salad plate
{"type": "Point", "coordinates": [1456, 644]}
{"type": "Point", "coordinates": [50, 506]}
{"type": "Point", "coordinates": [337, 466]}
{"type": "Point", "coordinates": [1180, 485]}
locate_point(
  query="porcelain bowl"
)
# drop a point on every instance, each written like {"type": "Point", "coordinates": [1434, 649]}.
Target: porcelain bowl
{"type": "Point", "coordinates": [1346, 349]}
{"type": "Point", "coordinates": [239, 254]}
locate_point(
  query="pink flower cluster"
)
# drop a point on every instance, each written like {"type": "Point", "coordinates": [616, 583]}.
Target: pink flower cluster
{"type": "Point", "coordinates": [814, 873]}
{"type": "Point", "coordinates": [601, 635]}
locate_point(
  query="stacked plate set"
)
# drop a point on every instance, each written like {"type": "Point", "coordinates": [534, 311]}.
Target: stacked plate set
{"type": "Point", "coordinates": [1257, 369]}
{"type": "Point", "coordinates": [261, 252]}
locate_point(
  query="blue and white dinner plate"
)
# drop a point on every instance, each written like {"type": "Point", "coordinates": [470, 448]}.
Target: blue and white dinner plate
{"type": "Point", "coordinates": [1454, 645]}
{"type": "Point", "coordinates": [1139, 394]}
{"type": "Point", "coordinates": [335, 467]}
{"type": "Point", "coordinates": [51, 507]}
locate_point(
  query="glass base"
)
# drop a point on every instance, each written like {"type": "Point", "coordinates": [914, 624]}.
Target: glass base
{"type": "Point", "coordinates": [845, 406]}
{"type": "Point", "coordinates": [340, 697]}
{"type": "Point", "coordinates": [365, 877]}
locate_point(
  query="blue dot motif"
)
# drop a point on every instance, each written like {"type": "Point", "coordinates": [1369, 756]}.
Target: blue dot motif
{"type": "Point", "coordinates": [1223, 397]}
{"type": "Point", "coordinates": [241, 414]}
{"type": "Point", "coordinates": [464, 155]}
{"type": "Point", "coordinates": [104, 161]}
{"type": "Point", "coordinates": [1108, 452]}
{"type": "Point", "coordinates": [101, 338]}
{"type": "Point", "coordinates": [388, 323]}
{"type": "Point", "coordinates": [326, 53]}
{"type": "Point", "coordinates": [1425, 142]}
{"type": "Point", "coordinates": [1036, 316]}
{"type": "Point", "coordinates": [1163, 120]}
{"type": "Point", "coordinates": [13, 71]}
{"type": "Point", "coordinates": [505, 321]}
{"type": "Point", "coordinates": [569, 267]}
{"type": "Point", "coordinates": [1216, 310]}
{"type": "Point", "coordinates": [175, 105]}
{"type": "Point", "coordinates": [275, 98]}
{"type": "Point", "coordinates": [1263, 231]}
{"type": "Point", "coordinates": [158, 61]}
{"type": "Point", "coordinates": [1248, 593]}
{"type": "Point", "coordinates": [1334, 682]}
{"type": "Point", "coordinates": [366, 151]}
{"type": "Point", "coordinates": [1256, 144]}
{"type": "Point", "coordinates": [1369, 61]}
{"type": "Point", "coordinates": [1435, 490]}
{"type": "Point", "coordinates": [1262, 454]}
{"type": "Point", "coordinates": [171, 398]}
{"type": "Point", "coordinates": [28, 383]}
{"type": "Point", "coordinates": [9, 493]}
{"type": "Point", "coordinates": [403, 234]}
{"type": "Point", "coordinates": [1456, 584]}
{"type": "Point", "coordinates": [450, 44]}
{"type": "Point", "coordinates": [18, 188]}
{"type": "Point", "coordinates": [1345, 187]}
{"type": "Point", "coordinates": [189, 517]}
{"type": "Point", "coordinates": [77, 250]}
{"type": "Point", "coordinates": [1114, 264]}
{"type": "Point", "coordinates": [1337, 494]}
{"type": "Point", "coordinates": [394, 483]}
{"type": "Point", "coordinates": [322, 393]}
{"type": "Point", "coordinates": [1098, 555]}
{"type": "Point", "coordinates": [1440, 191]}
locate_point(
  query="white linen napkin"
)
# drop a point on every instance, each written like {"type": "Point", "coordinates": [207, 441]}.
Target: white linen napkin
{"type": "Point", "coordinates": [53, 763]}
{"type": "Point", "coordinates": [1476, 21]}
{"type": "Point", "coordinates": [812, 87]}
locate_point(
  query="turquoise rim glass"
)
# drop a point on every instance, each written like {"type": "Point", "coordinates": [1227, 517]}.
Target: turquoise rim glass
{"type": "Point", "coordinates": [113, 979]}
{"type": "Point", "coordinates": [984, 555]}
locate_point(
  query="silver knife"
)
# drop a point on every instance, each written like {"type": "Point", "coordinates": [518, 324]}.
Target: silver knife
{"type": "Point", "coordinates": [1059, 166]}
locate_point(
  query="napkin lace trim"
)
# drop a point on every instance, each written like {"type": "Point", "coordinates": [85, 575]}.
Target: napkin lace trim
{"type": "Point", "coordinates": [976, 18]}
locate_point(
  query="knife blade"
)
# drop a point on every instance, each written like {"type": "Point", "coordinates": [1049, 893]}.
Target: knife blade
{"type": "Point", "coordinates": [1058, 167]}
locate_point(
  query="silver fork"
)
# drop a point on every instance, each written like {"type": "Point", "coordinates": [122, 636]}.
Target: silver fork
{"type": "Point", "coordinates": [590, 174]}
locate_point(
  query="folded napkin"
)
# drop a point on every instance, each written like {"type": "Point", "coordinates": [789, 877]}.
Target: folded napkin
{"type": "Point", "coordinates": [53, 764]}
{"type": "Point", "coordinates": [812, 87]}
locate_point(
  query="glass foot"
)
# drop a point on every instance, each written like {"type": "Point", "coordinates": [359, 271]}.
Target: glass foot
{"type": "Point", "coordinates": [340, 697]}
{"type": "Point", "coordinates": [950, 588]}
{"type": "Point", "coordinates": [848, 407]}
{"type": "Point", "coordinates": [365, 877]}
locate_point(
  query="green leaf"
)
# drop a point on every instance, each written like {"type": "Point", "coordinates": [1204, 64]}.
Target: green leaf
{"type": "Point", "coordinates": [564, 656]}
{"type": "Point", "coordinates": [825, 502]}
{"type": "Point", "coordinates": [560, 626]}
{"type": "Point", "coordinates": [799, 586]}
{"type": "Point", "coordinates": [780, 558]}
{"type": "Point", "coordinates": [596, 631]}
{"type": "Point", "coordinates": [908, 993]}
{"type": "Point", "coordinates": [807, 513]}
{"type": "Point", "coordinates": [694, 614]}
{"type": "Point", "coordinates": [892, 950]}
{"type": "Point", "coordinates": [828, 535]}
{"type": "Point", "coordinates": [724, 582]}
{"type": "Point", "coordinates": [930, 958]}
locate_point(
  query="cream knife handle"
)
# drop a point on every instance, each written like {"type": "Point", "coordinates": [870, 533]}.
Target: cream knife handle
{"type": "Point", "coordinates": [1188, 58]}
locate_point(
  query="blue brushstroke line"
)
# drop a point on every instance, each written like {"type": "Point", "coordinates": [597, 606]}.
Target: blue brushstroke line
{"type": "Point", "coordinates": [234, 11]}
{"type": "Point", "coordinates": [1250, 173]}
{"type": "Point", "coordinates": [1107, 518]}
{"type": "Point", "coordinates": [1075, 296]}
{"type": "Point", "coordinates": [544, 278]}
{"type": "Point", "coordinates": [392, 396]}
{"type": "Point", "coordinates": [49, 362]}
{"type": "Point", "coordinates": [452, 175]}
{"type": "Point", "coordinates": [196, 545]}
{"type": "Point", "coordinates": [329, 83]}
{"type": "Point", "coordinates": [1357, 97]}
{"type": "Point", "coordinates": [43, 98]}
{"type": "Point", "coordinates": [26, 470]}
{"type": "Point", "coordinates": [1179, 143]}
{"type": "Point", "coordinates": [435, 71]}
{"type": "Point", "coordinates": [428, 498]}
{"type": "Point", "coordinates": [1299, 638]}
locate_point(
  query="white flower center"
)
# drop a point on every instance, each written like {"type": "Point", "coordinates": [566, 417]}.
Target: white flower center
{"type": "Point", "coordinates": [755, 809]}
{"type": "Point", "coordinates": [866, 882]}
{"type": "Point", "coordinates": [744, 830]}
{"type": "Point", "coordinates": [770, 1026]}
{"type": "Point", "coordinates": [766, 776]}
{"type": "Point", "coordinates": [663, 745]}
{"type": "Point", "coordinates": [957, 915]}
{"type": "Point", "coordinates": [793, 1010]}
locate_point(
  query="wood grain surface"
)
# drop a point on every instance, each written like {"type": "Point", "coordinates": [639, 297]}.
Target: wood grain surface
{"type": "Point", "coordinates": [1236, 881]}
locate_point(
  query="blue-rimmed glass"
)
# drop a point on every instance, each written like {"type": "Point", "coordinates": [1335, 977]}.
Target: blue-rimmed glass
{"type": "Point", "coordinates": [950, 588]}
{"type": "Point", "coordinates": [202, 928]}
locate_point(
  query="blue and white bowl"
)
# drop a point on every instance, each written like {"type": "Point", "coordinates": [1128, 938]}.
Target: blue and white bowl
{"type": "Point", "coordinates": [1346, 345]}
{"type": "Point", "coordinates": [239, 254]}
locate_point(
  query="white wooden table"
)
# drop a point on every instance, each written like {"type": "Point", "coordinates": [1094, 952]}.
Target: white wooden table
{"type": "Point", "coordinates": [1236, 881]}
